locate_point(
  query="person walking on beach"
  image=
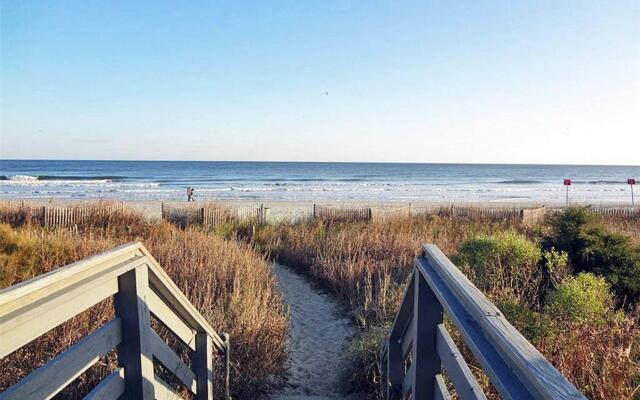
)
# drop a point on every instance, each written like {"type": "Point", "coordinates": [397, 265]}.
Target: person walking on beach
{"type": "Point", "coordinates": [190, 194]}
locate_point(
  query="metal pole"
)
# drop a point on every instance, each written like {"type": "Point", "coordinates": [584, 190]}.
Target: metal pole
{"type": "Point", "coordinates": [632, 199]}
{"type": "Point", "coordinates": [567, 195]}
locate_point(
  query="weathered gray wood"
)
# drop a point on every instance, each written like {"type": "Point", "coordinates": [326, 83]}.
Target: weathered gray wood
{"type": "Point", "coordinates": [51, 378]}
{"type": "Point", "coordinates": [441, 392]}
{"type": "Point", "coordinates": [158, 307]}
{"type": "Point", "coordinates": [24, 324]}
{"type": "Point", "coordinates": [395, 358]}
{"type": "Point", "coordinates": [111, 387]}
{"type": "Point", "coordinates": [227, 365]}
{"type": "Point", "coordinates": [457, 369]}
{"type": "Point", "coordinates": [427, 314]}
{"type": "Point", "coordinates": [202, 362]}
{"type": "Point", "coordinates": [502, 351]}
{"type": "Point", "coordinates": [135, 353]}
{"type": "Point", "coordinates": [172, 362]}
{"type": "Point", "coordinates": [178, 302]}
{"type": "Point", "coordinates": [35, 306]}
{"type": "Point", "coordinates": [25, 292]}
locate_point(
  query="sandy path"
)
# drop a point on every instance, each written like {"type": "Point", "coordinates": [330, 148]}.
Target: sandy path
{"type": "Point", "coordinates": [317, 336]}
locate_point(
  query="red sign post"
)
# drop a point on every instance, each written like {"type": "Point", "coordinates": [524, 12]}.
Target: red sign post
{"type": "Point", "coordinates": [631, 182]}
{"type": "Point", "coordinates": [567, 183]}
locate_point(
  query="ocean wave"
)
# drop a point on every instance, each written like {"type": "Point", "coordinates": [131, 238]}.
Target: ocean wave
{"type": "Point", "coordinates": [31, 178]}
{"type": "Point", "coordinates": [519, 182]}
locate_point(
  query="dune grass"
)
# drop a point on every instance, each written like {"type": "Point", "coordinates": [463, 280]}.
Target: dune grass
{"type": "Point", "coordinates": [366, 267]}
{"type": "Point", "coordinates": [226, 280]}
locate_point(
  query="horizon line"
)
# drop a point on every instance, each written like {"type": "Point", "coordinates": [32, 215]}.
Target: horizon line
{"type": "Point", "coordinates": [321, 162]}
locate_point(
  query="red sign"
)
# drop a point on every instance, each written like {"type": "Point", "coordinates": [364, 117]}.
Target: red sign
{"type": "Point", "coordinates": [567, 182]}
{"type": "Point", "coordinates": [631, 181]}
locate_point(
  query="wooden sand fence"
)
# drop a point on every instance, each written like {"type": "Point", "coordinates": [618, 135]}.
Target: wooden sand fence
{"type": "Point", "coordinates": [217, 216]}
{"type": "Point", "coordinates": [54, 217]}
{"type": "Point", "coordinates": [387, 214]}
{"type": "Point", "coordinates": [342, 214]}
{"type": "Point", "coordinates": [616, 212]}
{"type": "Point", "coordinates": [209, 216]}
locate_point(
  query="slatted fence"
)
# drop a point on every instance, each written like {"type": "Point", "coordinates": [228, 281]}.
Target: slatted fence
{"type": "Point", "coordinates": [420, 349]}
{"type": "Point", "coordinates": [386, 214]}
{"type": "Point", "coordinates": [140, 288]}
{"type": "Point", "coordinates": [64, 217]}
{"type": "Point", "coordinates": [342, 214]}
{"type": "Point", "coordinates": [209, 216]}
{"type": "Point", "coordinates": [500, 214]}
{"type": "Point", "coordinates": [616, 212]}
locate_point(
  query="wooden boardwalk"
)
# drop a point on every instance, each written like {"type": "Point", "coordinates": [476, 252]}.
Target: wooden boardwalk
{"type": "Point", "coordinates": [140, 288]}
{"type": "Point", "coordinates": [420, 349]}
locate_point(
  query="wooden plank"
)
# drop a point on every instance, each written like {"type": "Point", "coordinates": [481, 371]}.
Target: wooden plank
{"type": "Point", "coordinates": [168, 290]}
{"type": "Point", "coordinates": [111, 387]}
{"type": "Point", "coordinates": [427, 315]}
{"type": "Point", "coordinates": [395, 361]}
{"type": "Point", "coordinates": [203, 366]}
{"type": "Point", "coordinates": [74, 270]}
{"type": "Point", "coordinates": [22, 325]}
{"type": "Point", "coordinates": [541, 377]}
{"type": "Point", "coordinates": [51, 378]}
{"type": "Point", "coordinates": [163, 390]}
{"type": "Point", "coordinates": [135, 353]}
{"type": "Point", "coordinates": [159, 308]}
{"type": "Point", "coordinates": [441, 392]}
{"type": "Point", "coordinates": [172, 362]}
{"type": "Point", "coordinates": [457, 369]}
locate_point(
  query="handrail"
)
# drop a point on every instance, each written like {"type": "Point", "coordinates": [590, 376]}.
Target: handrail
{"type": "Point", "coordinates": [419, 346]}
{"type": "Point", "coordinates": [140, 288]}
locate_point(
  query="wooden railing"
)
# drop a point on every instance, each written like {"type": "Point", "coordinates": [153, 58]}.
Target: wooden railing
{"type": "Point", "coordinates": [420, 350]}
{"type": "Point", "coordinates": [140, 288]}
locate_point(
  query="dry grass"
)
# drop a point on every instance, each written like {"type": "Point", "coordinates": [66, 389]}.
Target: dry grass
{"type": "Point", "coordinates": [226, 280]}
{"type": "Point", "coordinates": [366, 267]}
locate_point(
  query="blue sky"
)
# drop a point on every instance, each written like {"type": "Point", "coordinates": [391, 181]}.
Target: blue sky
{"type": "Point", "coordinates": [414, 81]}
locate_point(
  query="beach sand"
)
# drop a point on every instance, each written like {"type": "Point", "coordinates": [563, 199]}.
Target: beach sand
{"type": "Point", "coordinates": [317, 338]}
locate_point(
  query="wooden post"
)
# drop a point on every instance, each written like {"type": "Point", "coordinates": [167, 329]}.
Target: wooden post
{"type": "Point", "coordinates": [203, 366]}
{"type": "Point", "coordinates": [427, 314]}
{"type": "Point", "coordinates": [134, 353]}
{"type": "Point", "coordinates": [314, 210]}
{"type": "Point", "coordinates": [395, 369]}
{"type": "Point", "coordinates": [45, 221]}
{"type": "Point", "coordinates": [262, 218]}
{"type": "Point", "coordinates": [227, 365]}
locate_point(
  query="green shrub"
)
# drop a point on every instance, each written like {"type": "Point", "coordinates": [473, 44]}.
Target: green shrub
{"type": "Point", "coordinates": [533, 325]}
{"type": "Point", "coordinates": [360, 370]}
{"type": "Point", "coordinates": [578, 299]}
{"type": "Point", "coordinates": [504, 264]}
{"type": "Point", "coordinates": [593, 249]}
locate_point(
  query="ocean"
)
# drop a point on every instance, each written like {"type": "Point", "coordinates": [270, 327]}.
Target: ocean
{"type": "Point", "coordinates": [312, 181]}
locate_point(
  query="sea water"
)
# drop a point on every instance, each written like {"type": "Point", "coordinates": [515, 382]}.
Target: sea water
{"type": "Point", "coordinates": [312, 181]}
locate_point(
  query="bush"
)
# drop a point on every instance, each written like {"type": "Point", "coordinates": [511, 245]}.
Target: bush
{"type": "Point", "coordinates": [535, 326]}
{"type": "Point", "coordinates": [593, 249]}
{"type": "Point", "coordinates": [504, 265]}
{"type": "Point", "coordinates": [579, 299]}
